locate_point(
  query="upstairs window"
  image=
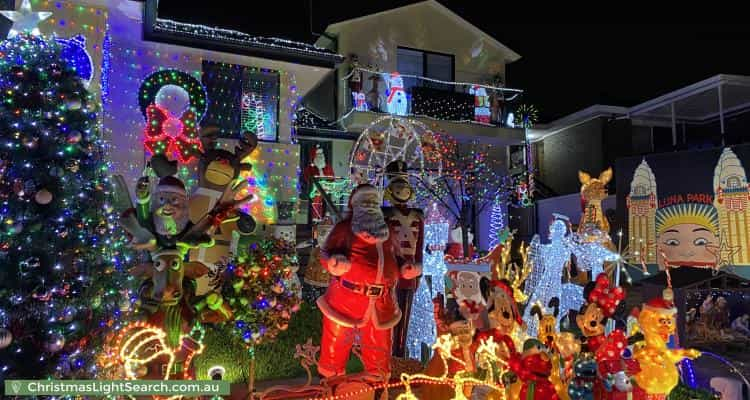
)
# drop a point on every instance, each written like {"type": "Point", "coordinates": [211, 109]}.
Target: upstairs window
{"type": "Point", "coordinates": [427, 64]}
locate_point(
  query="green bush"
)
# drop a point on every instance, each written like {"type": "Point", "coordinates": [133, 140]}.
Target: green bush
{"type": "Point", "coordinates": [273, 360]}
{"type": "Point", "coordinates": [682, 392]}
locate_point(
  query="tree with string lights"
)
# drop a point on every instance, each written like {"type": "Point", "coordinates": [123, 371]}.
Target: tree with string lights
{"type": "Point", "coordinates": [471, 180]}
{"type": "Point", "coordinates": [60, 248]}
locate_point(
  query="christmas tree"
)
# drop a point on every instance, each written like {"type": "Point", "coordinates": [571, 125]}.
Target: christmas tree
{"type": "Point", "coordinates": [59, 248]}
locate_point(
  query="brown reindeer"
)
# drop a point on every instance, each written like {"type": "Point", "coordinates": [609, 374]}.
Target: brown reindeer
{"type": "Point", "coordinates": [166, 276]}
{"type": "Point", "coordinates": [593, 191]}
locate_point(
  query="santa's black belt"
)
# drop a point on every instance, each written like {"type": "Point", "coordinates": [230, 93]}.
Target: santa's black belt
{"type": "Point", "coordinates": [367, 290]}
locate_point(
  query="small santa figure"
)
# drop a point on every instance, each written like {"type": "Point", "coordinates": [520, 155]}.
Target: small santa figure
{"type": "Point", "coordinates": [407, 224]}
{"type": "Point", "coordinates": [360, 301]}
{"type": "Point", "coordinates": [482, 112]}
{"type": "Point", "coordinates": [318, 167]}
{"type": "Point", "coordinates": [396, 102]}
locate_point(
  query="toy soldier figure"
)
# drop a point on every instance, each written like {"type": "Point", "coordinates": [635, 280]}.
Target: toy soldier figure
{"type": "Point", "coordinates": [407, 226]}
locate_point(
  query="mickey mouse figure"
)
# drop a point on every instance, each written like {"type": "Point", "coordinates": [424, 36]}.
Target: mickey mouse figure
{"type": "Point", "coordinates": [602, 302]}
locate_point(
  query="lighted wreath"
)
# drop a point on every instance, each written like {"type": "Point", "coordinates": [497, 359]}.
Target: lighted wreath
{"type": "Point", "coordinates": [261, 290]}
{"type": "Point", "coordinates": [155, 83]}
{"type": "Point", "coordinates": [173, 103]}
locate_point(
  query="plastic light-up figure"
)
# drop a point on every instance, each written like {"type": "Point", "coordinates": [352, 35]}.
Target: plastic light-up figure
{"type": "Point", "coordinates": [422, 326]}
{"type": "Point", "coordinates": [396, 103]}
{"type": "Point", "coordinates": [548, 261]}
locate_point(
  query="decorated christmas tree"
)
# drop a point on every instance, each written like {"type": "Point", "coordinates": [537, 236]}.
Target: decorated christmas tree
{"type": "Point", "coordinates": [60, 289]}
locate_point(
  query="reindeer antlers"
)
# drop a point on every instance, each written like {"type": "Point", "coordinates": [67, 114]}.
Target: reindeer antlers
{"type": "Point", "coordinates": [499, 259]}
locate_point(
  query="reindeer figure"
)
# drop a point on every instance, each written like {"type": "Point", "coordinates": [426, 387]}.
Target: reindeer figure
{"type": "Point", "coordinates": [593, 191]}
{"type": "Point", "coordinates": [166, 276]}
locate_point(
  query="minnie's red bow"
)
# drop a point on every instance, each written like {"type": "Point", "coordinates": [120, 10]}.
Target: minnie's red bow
{"type": "Point", "coordinates": [605, 297]}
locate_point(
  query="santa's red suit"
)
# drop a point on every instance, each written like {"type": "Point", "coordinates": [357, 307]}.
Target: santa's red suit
{"type": "Point", "coordinates": [313, 170]}
{"type": "Point", "coordinates": [360, 297]}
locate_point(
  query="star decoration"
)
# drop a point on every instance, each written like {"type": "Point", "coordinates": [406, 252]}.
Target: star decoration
{"type": "Point", "coordinates": [724, 253]}
{"type": "Point", "coordinates": [25, 20]}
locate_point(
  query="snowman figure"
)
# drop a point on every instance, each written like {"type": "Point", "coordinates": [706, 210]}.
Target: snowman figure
{"type": "Point", "coordinates": [396, 103]}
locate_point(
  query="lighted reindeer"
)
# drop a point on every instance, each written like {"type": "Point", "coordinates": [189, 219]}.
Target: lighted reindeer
{"type": "Point", "coordinates": [593, 191]}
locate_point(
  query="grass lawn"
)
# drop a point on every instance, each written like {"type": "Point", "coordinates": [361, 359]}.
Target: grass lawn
{"type": "Point", "coordinates": [273, 360]}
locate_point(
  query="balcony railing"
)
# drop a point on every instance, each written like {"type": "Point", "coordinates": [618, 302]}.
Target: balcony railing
{"type": "Point", "coordinates": [425, 97]}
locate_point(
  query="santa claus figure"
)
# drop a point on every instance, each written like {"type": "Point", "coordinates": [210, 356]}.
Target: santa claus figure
{"type": "Point", "coordinates": [407, 225]}
{"type": "Point", "coordinates": [360, 301]}
{"type": "Point", "coordinates": [318, 167]}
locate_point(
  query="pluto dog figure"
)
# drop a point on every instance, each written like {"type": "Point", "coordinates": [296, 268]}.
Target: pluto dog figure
{"type": "Point", "coordinates": [366, 265]}
{"type": "Point", "coordinates": [407, 224]}
{"type": "Point", "coordinates": [659, 374]}
{"type": "Point", "coordinates": [547, 322]}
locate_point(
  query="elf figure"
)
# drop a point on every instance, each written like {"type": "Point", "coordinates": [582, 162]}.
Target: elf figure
{"type": "Point", "coordinates": [360, 101]}
{"type": "Point", "coordinates": [360, 301]}
{"type": "Point", "coordinates": [318, 167]}
{"type": "Point", "coordinates": [407, 224]}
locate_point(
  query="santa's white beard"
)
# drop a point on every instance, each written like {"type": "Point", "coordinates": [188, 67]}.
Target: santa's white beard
{"type": "Point", "coordinates": [168, 225]}
{"type": "Point", "coordinates": [320, 163]}
{"type": "Point", "coordinates": [369, 220]}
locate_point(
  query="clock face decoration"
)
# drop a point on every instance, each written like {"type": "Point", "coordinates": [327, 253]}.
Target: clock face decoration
{"type": "Point", "coordinates": [75, 54]}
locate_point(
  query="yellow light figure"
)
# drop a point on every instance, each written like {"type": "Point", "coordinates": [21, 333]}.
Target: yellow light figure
{"type": "Point", "coordinates": [566, 348]}
{"type": "Point", "coordinates": [659, 374]}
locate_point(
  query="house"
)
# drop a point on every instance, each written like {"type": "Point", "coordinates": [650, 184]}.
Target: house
{"type": "Point", "coordinates": [432, 65]}
{"type": "Point", "coordinates": [710, 113]}
{"type": "Point", "coordinates": [252, 83]}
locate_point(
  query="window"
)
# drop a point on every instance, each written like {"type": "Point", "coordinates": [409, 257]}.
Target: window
{"type": "Point", "coordinates": [242, 98]}
{"type": "Point", "coordinates": [427, 64]}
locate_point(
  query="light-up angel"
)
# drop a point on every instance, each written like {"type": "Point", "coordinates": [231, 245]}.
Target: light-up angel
{"type": "Point", "coordinates": [548, 261]}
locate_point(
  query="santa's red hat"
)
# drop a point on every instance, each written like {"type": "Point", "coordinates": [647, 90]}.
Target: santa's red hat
{"type": "Point", "coordinates": [170, 184]}
{"type": "Point", "coordinates": [314, 150]}
{"type": "Point", "coordinates": [663, 304]}
{"type": "Point", "coordinates": [505, 288]}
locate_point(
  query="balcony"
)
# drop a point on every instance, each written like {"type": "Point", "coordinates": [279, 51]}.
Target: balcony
{"type": "Point", "coordinates": [466, 111]}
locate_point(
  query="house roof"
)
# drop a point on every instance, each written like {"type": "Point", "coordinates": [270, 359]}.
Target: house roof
{"type": "Point", "coordinates": [697, 103]}
{"type": "Point", "coordinates": [231, 41]}
{"type": "Point", "coordinates": [511, 55]}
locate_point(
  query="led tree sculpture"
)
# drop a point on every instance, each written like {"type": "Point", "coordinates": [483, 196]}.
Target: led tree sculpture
{"type": "Point", "coordinates": [470, 182]}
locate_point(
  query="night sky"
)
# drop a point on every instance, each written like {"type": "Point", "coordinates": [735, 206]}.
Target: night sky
{"type": "Point", "coordinates": [564, 67]}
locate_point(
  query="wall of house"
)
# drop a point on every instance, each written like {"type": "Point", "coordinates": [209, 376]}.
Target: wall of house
{"type": "Point", "coordinates": [375, 41]}
{"type": "Point", "coordinates": [577, 148]}
{"type": "Point", "coordinates": [133, 59]}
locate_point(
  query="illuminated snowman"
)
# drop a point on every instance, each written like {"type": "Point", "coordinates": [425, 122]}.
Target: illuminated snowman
{"type": "Point", "coordinates": [396, 103]}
